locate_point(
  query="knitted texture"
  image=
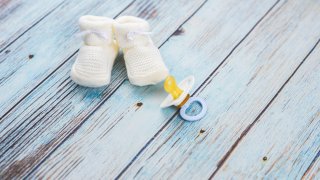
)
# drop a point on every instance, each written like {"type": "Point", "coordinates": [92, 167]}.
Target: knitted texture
{"type": "Point", "coordinates": [93, 65]}
{"type": "Point", "coordinates": [143, 60]}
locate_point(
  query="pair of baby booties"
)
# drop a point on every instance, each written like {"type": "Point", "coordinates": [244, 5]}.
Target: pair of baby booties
{"type": "Point", "coordinates": [102, 39]}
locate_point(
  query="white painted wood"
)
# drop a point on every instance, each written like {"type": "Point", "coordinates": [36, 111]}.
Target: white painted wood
{"type": "Point", "coordinates": [286, 138]}
{"type": "Point", "coordinates": [114, 134]}
{"type": "Point", "coordinates": [48, 115]}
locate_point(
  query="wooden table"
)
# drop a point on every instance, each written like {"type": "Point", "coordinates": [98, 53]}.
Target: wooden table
{"type": "Point", "coordinates": [256, 63]}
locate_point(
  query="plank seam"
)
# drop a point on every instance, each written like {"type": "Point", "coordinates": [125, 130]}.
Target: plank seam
{"type": "Point", "coordinates": [33, 25]}
{"type": "Point", "coordinates": [184, 22]}
{"type": "Point", "coordinates": [72, 132]}
{"type": "Point", "coordinates": [145, 146]}
{"type": "Point", "coordinates": [40, 83]}
{"type": "Point", "coordinates": [245, 132]}
{"type": "Point", "coordinates": [311, 165]}
{"type": "Point", "coordinates": [12, 145]}
{"type": "Point", "coordinates": [205, 81]}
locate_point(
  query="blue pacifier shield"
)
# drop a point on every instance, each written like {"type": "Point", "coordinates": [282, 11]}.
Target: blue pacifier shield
{"type": "Point", "coordinates": [197, 117]}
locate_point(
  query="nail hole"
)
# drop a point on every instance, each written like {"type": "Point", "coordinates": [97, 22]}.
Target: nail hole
{"type": "Point", "coordinates": [31, 56]}
{"type": "Point", "coordinates": [202, 131]}
{"type": "Point", "coordinates": [264, 158]}
{"type": "Point", "coordinates": [138, 105]}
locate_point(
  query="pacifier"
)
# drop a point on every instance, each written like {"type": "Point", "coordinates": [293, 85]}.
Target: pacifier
{"type": "Point", "coordinates": [179, 96]}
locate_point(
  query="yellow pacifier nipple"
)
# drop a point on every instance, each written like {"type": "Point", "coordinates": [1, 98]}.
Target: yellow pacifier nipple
{"type": "Point", "coordinates": [171, 87]}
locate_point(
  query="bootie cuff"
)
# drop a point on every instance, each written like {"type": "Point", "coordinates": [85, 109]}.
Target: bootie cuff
{"type": "Point", "coordinates": [96, 30]}
{"type": "Point", "coordinates": [131, 31]}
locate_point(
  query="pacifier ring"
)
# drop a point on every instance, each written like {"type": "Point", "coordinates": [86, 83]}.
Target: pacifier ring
{"type": "Point", "coordinates": [197, 117]}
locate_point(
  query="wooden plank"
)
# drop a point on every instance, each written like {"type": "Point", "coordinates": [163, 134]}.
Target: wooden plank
{"type": "Point", "coordinates": [314, 170]}
{"type": "Point", "coordinates": [116, 132]}
{"type": "Point", "coordinates": [41, 50]}
{"type": "Point", "coordinates": [54, 110]}
{"type": "Point", "coordinates": [236, 94]}
{"type": "Point", "coordinates": [285, 139]}
{"type": "Point", "coordinates": [18, 16]}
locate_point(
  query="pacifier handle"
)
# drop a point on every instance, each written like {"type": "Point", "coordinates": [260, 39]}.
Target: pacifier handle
{"type": "Point", "coordinates": [197, 117]}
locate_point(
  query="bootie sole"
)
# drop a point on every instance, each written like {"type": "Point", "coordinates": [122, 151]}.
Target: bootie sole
{"type": "Point", "coordinates": [88, 82]}
{"type": "Point", "coordinates": [147, 80]}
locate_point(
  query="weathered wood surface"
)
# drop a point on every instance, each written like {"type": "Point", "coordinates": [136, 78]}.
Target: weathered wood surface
{"type": "Point", "coordinates": [61, 106]}
{"type": "Point", "coordinates": [237, 93]}
{"type": "Point", "coordinates": [121, 130]}
{"type": "Point", "coordinates": [246, 57]}
{"type": "Point", "coordinates": [19, 16]}
{"type": "Point", "coordinates": [285, 139]}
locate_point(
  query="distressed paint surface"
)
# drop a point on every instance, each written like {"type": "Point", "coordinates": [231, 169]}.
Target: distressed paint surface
{"type": "Point", "coordinates": [246, 57]}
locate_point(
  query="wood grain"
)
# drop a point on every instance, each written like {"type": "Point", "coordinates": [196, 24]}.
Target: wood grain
{"type": "Point", "coordinates": [54, 110]}
{"type": "Point", "coordinates": [285, 139]}
{"type": "Point", "coordinates": [19, 16]}
{"type": "Point", "coordinates": [236, 94]}
{"type": "Point", "coordinates": [117, 131]}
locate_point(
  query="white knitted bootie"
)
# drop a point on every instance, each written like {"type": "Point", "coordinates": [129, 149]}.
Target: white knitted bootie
{"type": "Point", "coordinates": [93, 65]}
{"type": "Point", "coordinates": [143, 60]}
